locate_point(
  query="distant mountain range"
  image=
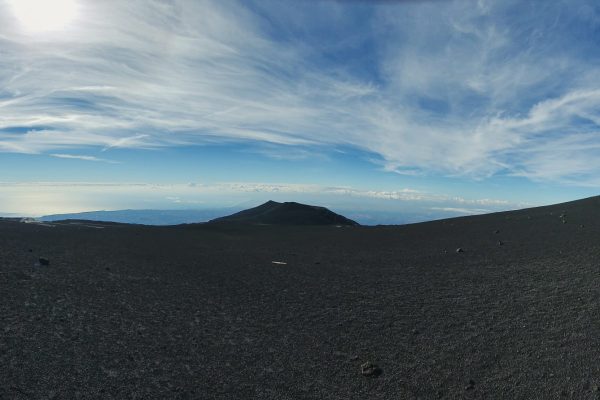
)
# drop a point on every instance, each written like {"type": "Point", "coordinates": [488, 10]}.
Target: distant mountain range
{"type": "Point", "coordinates": [145, 217]}
{"type": "Point", "coordinates": [271, 213]}
{"type": "Point", "coordinates": [288, 213]}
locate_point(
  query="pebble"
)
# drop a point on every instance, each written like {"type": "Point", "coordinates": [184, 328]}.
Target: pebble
{"type": "Point", "coordinates": [369, 369]}
{"type": "Point", "coordinates": [471, 385]}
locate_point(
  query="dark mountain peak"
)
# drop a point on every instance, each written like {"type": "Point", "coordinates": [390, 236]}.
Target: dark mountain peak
{"type": "Point", "coordinates": [287, 213]}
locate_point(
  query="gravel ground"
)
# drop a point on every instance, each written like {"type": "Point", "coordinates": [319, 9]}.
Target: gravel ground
{"type": "Point", "coordinates": [202, 312]}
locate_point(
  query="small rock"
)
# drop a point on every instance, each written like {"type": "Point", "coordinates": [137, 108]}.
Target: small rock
{"type": "Point", "coordinates": [369, 369]}
{"type": "Point", "coordinates": [500, 242]}
{"type": "Point", "coordinates": [415, 331]}
{"type": "Point", "coordinates": [44, 261]}
{"type": "Point", "coordinates": [354, 358]}
{"type": "Point", "coordinates": [460, 250]}
{"type": "Point", "coordinates": [471, 385]}
{"type": "Point", "coordinates": [563, 217]}
{"type": "Point", "coordinates": [339, 353]}
{"type": "Point", "coordinates": [497, 231]}
{"type": "Point", "coordinates": [107, 268]}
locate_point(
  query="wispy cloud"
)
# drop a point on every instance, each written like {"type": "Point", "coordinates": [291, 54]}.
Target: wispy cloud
{"type": "Point", "coordinates": [130, 141]}
{"type": "Point", "coordinates": [455, 87]}
{"type": "Point", "coordinates": [82, 157]}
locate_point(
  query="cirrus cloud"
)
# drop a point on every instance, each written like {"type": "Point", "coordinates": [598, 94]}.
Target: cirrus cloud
{"type": "Point", "coordinates": [457, 88]}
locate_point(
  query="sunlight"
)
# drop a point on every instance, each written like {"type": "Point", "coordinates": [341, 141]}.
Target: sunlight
{"type": "Point", "coordinates": [43, 15]}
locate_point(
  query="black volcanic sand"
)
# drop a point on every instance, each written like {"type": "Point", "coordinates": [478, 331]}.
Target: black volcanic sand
{"type": "Point", "coordinates": [201, 312]}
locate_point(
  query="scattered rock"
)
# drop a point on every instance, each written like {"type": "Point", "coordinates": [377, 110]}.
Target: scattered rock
{"type": "Point", "coordinates": [335, 353]}
{"type": "Point", "coordinates": [369, 369]}
{"type": "Point", "coordinates": [460, 250]}
{"type": "Point", "coordinates": [500, 242]}
{"type": "Point", "coordinates": [563, 217]}
{"type": "Point", "coordinates": [44, 261]}
{"type": "Point", "coordinates": [470, 385]}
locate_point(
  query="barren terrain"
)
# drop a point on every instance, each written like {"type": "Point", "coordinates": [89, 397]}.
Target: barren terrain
{"type": "Point", "coordinates": [202, 312]}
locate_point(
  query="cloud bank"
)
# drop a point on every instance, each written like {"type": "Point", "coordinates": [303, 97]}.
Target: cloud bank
{"type": "Point", "coordinates": [457, 88]}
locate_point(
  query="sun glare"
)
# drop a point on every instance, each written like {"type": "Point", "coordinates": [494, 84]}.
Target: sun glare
{"type": "Point", "coordinates": [44, 15]}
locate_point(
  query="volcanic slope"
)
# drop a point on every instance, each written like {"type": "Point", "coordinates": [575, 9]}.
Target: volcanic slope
{"type": "Point", "coordinates": [288, 213]}
{"type": "Point", "coordinates": [202, 312]}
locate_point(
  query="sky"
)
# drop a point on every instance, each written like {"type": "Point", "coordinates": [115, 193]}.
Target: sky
{"type": "Point", "coordinates": [424, 109]}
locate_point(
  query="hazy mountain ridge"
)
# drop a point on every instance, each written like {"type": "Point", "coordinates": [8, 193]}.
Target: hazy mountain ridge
{"type": "Point", "coordinates": [271, 212]}
{"type": "Point", "coordinates": [364, 215]}
{"type": "Point", "coordinates": [145, 217]}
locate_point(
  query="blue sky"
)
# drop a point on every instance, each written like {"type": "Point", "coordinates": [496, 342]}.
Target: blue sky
{"type": "Point", "coordinates": [425, 108]}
